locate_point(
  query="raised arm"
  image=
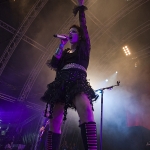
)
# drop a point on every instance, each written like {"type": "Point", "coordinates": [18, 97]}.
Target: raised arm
{"type": "Point", "coordinates": [82, 20]}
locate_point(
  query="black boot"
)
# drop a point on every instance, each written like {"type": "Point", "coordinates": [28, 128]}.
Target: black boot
{"type": "Point", "coordinates": [53, 140]}
{"type": "Point", "coordinates": [89, 136]}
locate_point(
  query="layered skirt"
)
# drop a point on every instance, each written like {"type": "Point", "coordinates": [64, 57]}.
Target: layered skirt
{"type": "Point", "coordinates": [67, 84]}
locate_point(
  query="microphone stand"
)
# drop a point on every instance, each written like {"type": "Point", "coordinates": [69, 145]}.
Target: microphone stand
{"type": "Point", "coordinates": [101, 119]}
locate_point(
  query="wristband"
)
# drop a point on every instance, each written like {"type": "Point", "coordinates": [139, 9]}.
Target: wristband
{"type": "Point", "coordinates": [61, 46]}
{"type": "Point", "coordinates": [58, 52]}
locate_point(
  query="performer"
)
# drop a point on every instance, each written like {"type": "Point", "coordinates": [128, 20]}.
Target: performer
{"type": "Point", "coordinates": [70, 89]}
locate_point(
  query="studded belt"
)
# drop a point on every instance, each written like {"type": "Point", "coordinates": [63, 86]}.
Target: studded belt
{"type": "Point", "coordinates": [73, 65]}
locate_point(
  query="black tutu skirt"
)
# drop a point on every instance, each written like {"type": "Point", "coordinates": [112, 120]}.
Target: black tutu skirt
{"type": "Point", "coordinates": [67, 84]}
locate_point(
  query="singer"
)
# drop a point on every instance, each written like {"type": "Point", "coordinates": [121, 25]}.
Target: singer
{"type": "Point", "coordinates": [70, 89]}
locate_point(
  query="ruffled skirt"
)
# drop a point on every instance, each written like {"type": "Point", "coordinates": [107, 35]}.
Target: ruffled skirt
{"type": "Point", "coordinates": [67, 84]}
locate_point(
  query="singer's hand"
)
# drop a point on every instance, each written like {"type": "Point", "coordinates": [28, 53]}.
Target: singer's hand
{"type": "Point", "coordinates": [64, 41]}
{"type": "Point", "coordinates": [80, 2]}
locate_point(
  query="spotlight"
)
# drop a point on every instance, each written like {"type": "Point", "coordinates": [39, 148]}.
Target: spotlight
{"type": "Point", "coordinates": [106, 80]}
{"type": "Point", "coordinates": [126, 50]}
{"type": "Point", "coordinates": [116, 71]}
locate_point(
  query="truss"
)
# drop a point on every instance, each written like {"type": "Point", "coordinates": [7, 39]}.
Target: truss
{"type": "Point", "coordinates": [7, 97]}
{"type": "Point", "coordinates": [118, 16]}
{"type": "Point", "coordinates": [25, 38]}
{"type": "Point", "coordinates": [115, 18]}
{"type": "Point", "coordinates": [28, 104]}
{"type": "Point", "coordinates": [20, 33]}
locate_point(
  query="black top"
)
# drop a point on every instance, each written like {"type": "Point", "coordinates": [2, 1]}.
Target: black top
{"type": "Point", "coordinates": [81, 55]}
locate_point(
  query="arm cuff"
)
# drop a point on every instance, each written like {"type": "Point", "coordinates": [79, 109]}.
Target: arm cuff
{"type": "Point", "coordinates": [77, 8]}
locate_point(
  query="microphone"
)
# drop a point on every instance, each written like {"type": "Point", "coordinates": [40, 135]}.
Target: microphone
{"type": "Point", "coordinates": [60, 36]}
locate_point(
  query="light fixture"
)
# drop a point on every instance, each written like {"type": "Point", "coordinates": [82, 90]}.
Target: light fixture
{"type": "Point", "coordinates": [126, 50]}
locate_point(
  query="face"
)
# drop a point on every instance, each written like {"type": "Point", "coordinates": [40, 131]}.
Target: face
{"type": "Point", "coordinates": [73, 35]}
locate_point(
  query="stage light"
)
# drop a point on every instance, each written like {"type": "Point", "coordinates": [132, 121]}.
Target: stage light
{"type": "Point", "coordinates": [126, 50]}
{"type": "Point", "coordinates": [135, 65]}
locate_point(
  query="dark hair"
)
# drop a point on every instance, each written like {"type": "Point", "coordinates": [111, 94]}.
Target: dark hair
{"type": "Point", "coordinates": [79, 30]}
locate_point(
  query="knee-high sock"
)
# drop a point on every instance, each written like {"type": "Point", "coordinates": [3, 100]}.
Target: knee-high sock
{"type": "Point", "coordinates": [53, 140]}
{"type": "Point", "coordinates": [89, 135]}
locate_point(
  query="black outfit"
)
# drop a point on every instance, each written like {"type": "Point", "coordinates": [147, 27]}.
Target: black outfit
{"type": "Point", "coordinates": [70, 82]}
